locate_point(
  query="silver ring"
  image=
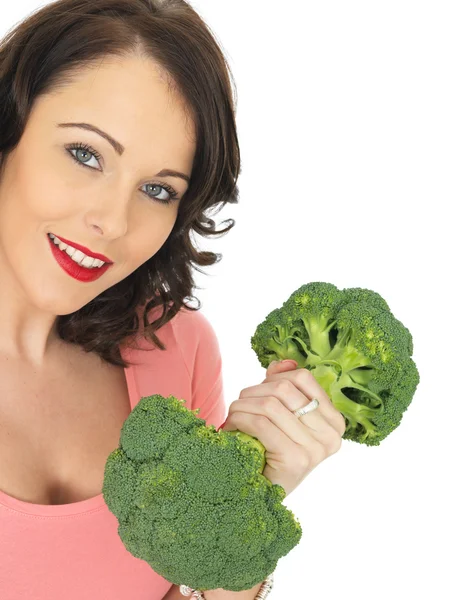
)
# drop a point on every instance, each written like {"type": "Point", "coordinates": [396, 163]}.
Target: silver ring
{"type": "Point", "coordinates": [313, 404]}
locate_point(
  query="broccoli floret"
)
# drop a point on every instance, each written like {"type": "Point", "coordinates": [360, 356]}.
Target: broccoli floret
{"type": "Point", "coordinates": [355, 348]}
{"type": "Point", "coordinates": [192, 501]}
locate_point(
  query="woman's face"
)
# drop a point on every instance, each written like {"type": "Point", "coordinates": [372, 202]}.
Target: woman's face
{"type": "Point", "coordinates": [112, 204]}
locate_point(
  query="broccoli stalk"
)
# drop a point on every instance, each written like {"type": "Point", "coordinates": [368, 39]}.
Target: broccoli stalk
{"type": "Point", "coordinates": [333, 372]}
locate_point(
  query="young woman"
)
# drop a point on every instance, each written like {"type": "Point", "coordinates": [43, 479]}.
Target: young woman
{"type": "Point", "coordinates": [117, 134]}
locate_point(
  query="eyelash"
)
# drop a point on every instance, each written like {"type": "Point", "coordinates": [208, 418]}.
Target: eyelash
{"type": "Point", "coordinates": [87, 148]}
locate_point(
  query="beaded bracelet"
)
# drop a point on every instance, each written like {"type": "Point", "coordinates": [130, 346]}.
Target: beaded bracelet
{"type": "Point", "coordinates": [264, 590]}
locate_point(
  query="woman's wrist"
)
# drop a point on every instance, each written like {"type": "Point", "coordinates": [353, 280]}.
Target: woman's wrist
{"type": "Point", "coordinates": [258, 592]}
{"type": "Point", "coordinates": [221, 594]}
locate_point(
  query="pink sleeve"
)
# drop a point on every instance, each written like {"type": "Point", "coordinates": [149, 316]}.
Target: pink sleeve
{"type": "Point", "coordinates": [204, 362]}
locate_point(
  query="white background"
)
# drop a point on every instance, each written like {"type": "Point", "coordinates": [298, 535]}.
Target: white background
{"type": "Point", "coordinates": [343, 122]}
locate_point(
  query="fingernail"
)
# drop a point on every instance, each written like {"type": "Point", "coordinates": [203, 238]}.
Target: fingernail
{"type": "Point", "coordinates": [286, 360]}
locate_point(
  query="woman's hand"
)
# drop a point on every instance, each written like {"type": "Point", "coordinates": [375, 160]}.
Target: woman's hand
{"type": "Point", "coordinates": [294, 445]}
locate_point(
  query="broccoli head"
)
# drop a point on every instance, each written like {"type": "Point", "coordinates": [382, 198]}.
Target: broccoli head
{"type": "Point", "coordinates": [355, 348]}
{"type": "Point", "coordinates": [192, 501]}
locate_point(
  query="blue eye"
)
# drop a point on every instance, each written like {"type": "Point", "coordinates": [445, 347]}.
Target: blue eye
{"type": "Point", "coordinates": [85, 148]}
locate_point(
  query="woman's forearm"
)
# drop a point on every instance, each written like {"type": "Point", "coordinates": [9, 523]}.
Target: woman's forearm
{"type": "Point", "coordinates": [221, 594]}
{"type": "Point", "coordinates": [217, 594]}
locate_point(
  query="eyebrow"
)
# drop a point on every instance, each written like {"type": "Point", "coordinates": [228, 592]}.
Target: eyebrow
{"type": "Point", "coordinates": [121, 149]}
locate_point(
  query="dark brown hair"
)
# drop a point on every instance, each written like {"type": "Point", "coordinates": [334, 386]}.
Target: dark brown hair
{"type": "Point", "coordinates": [43, 52]}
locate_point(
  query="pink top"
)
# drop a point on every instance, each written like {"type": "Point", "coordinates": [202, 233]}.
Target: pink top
{"type": "Point", "coordinates": [73, 551]}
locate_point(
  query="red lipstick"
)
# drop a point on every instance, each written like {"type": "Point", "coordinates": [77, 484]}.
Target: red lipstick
{"type": "Point", "coordinates": [72, 268]}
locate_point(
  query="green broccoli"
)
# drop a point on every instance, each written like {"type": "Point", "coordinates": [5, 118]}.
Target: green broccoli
{"type": "Point", "coordinates": [192, 502]}
{"type": "Point", "coordinates": [355, 348]}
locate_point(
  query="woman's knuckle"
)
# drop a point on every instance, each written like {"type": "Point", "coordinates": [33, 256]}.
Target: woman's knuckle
{"type": "Point", "coordinates": [338, 422]}
{"type": "Point", "coordinates": [282, 387]}
{"type": "Point", "coordinates": [303, 375]}
{"type": "Point", "coordinates": [303, 459]}
{"type": "Point", "coordinates": [243, 393]}
{"type": "Point", "coordinates": [334, 443]}
{"type": "Point", "coordinates": [319, 451]}
{"type": "Point", "coordinates": [232, 406]}
{"type": "Point", "coordinates": [268, 403]}
{"type": "Point", "coordinates": [261, 421]}
{"type": "Point", "coordinates": [274, 406]}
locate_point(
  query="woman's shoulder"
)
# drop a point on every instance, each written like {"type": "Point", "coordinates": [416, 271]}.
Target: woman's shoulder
{"type": "Point", "coordinates": [193, 324]}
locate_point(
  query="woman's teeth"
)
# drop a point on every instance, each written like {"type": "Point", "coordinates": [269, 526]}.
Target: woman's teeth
{"type": "Point", "coordinates": [77, 256]}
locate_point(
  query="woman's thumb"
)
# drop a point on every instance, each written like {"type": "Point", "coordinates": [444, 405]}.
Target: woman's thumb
{"type": "Point", "coordinates": [277, 366]}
